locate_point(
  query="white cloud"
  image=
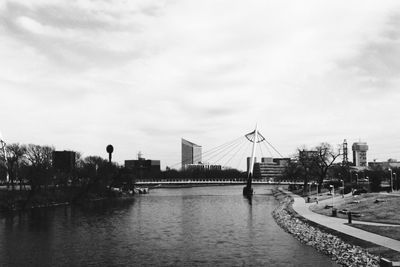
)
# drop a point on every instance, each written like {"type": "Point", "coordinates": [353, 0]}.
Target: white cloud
{"type": "Point", "coordinates": [143, 74]}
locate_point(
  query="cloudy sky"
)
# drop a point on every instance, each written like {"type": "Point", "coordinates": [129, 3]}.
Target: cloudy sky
{"type": "Point", "coordinates": [143, 74]}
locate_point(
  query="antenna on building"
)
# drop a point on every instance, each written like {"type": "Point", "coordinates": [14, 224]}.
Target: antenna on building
{"type": "Point", "coordinates": [345, 156]}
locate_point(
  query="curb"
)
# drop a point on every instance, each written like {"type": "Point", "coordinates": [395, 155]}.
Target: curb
{"type": "Point", "coordinates": [345, 251]}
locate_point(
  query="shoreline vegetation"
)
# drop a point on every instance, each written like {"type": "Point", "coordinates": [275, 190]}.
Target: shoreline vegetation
{"type": "Point", "coordinates": [39, 176]}
{"type": "Point", "coordinates": [11, 201]}
{"type": "Point", "coordinates": [341, 248]}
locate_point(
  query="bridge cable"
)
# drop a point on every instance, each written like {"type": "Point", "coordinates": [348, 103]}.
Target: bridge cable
{"type": "Point", "coordinates": [274, 148]}
{"type": "Point", "coordinates": [269, 150]}
{"type": "Point", "coordinates": [220, 146]}
{"type": "Point", "coordinates": [246, 151]}
{"type": "Point", "coordinates": [261, 152]}
{"type": "Point", "coordinates": [222, 150]}
{"type": "Point", "coordinates": [240, 149]}
{"type": "Point", "coordinates": [228, 152]}
{"type": "Point", "coordinates": [217, 152]}
{"type": "Point", "coordinates": [212, 150]}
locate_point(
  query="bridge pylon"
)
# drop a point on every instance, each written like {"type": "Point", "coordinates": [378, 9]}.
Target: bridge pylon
{"type": "Point", "coordinates": [255, 137]}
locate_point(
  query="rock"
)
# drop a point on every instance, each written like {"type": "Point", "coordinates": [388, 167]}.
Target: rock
{"type": "Point", "coordinates": [331, 245]}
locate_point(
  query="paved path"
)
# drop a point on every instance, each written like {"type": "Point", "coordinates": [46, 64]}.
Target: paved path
{"type": "Point", "coordinates": [339, 224]}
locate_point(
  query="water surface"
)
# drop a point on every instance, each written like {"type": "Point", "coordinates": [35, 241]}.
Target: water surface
{"type": "Point", "coordinates": [199, 226]}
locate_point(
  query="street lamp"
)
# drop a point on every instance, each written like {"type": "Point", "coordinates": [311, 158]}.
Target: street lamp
{"type": "Point", "coordinates": [356, 178]}
{"type": "Point", "coordinates": [343, 188]}
{"type": "Point", "coordinates": [369, 185]}
{"type": "Point", "coordinates": [391, 180]}
{"type": "Point", "coordinates": [395, 178]}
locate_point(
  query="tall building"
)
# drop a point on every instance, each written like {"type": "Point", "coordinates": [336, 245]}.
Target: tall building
{"type": "Point", "coordinates": [360, 154]}
{"type": "Point", "coordinates": [191, 153]}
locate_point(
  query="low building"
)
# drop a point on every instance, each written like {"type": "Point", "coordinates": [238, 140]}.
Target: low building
{"type": "Point", "coordinates": [143, 168]}
{"type": "Point", "coordinates": [203, 167]}
{"type": "Point", "coordinates": [385, 165]}
{"type": "Point", "coordinates": [270, 168]}
{"type": "Point", "coordinates": [64, 161]}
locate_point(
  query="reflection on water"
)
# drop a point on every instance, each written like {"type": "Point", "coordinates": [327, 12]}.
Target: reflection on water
{"type": "Point", "coordinates": [168, 227]}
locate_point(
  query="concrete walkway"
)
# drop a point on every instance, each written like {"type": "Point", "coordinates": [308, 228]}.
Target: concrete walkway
{"type": "Point", "coordinates": [338, 224]}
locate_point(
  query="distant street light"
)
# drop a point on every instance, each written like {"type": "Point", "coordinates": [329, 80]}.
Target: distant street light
{"type": "Point", "coordinates": [356, 178]}
{"type": "Point", "coordinates": [395, 178]}
{"type": "Point", "coordinates": [343, 188]}
{"type": "Point", "coordinates": [333, 193]}
{"type": "Point", "coordinates": [391, 180]}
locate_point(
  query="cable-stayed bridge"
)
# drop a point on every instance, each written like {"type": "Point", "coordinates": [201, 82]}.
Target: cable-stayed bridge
{"type": "Point", "coordinates": [217, 181]}
{"type": "Point", "coordinates": [251, 144]}
{"type": "Point", "coordinates": [233, 154]}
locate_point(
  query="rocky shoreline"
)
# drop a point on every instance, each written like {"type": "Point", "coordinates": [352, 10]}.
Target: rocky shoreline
{"type": "Point", "coordinates": [339, 251]}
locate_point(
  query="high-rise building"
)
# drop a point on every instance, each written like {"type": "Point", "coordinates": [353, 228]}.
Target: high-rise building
{"type": "Point", "coordinates": [360, 154]}
{"type": "Point", "coordinates": [191, 153]}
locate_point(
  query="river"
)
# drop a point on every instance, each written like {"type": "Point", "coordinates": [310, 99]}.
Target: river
{"type": "Point", "coordinates": [199, 226]}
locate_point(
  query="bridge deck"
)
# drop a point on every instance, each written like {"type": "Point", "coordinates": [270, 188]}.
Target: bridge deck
{"type": "Point", "coordinates": [212, 181]}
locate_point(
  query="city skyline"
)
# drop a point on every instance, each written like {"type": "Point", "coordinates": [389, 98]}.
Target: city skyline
{"type": "Point", "coordinates": [143, 74]}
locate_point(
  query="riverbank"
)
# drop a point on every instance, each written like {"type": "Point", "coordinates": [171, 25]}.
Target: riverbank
{"type": "Point", "coordinates": [11, 201]}
{"type": "Point", "coordinates": [326, 242]}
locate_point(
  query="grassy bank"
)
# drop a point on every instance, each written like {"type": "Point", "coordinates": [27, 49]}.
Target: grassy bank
{"type": "Point", "coordinates": [371, 207]}
{"type": "Point", "coordinates": [367, 246]}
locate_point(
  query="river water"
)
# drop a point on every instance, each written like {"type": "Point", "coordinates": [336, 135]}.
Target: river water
{"type": "Point", "coordinates": [199, 226]}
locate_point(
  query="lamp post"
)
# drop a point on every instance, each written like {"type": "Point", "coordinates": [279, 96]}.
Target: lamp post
{"type": "Point", "coordinates": [357, 179]}
{"type": "Point", "coordinates": [369, 185]}
{"type": "Point", "coordinates": [343, 188]}
{"type": "Point", "coordinates": [391, 180]}
{"type": "Point", "coordinates": [395, 179]}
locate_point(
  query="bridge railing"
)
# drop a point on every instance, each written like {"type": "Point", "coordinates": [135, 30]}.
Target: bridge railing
{"type": "Point", "coordinates": [213, 181]}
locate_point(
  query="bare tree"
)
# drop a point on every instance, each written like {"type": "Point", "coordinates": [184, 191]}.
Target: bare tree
{"type": "Point", "coordinates": [15, 156]}
{"type": "Point", "coordinates": [40, 159]}
{"type": "Point", "coordinates": [40, 156]}
{"type": "Point", "coordinates": [307, 162]}
{"type": "Point", "coordinates": [325, 156]}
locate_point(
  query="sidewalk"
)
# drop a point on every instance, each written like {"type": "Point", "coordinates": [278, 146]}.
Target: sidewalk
{"type": "Point", "coordinates": [338, 224]}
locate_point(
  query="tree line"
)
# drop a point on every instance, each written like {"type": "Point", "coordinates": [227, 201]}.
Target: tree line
{"type": "Point", "coordinates": [322, 162]}
{"type": "Point", "coordinates": [33, 180]}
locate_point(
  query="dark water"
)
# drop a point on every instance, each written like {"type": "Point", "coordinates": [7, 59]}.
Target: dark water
{"type": "Point", "coordinates": [203, 226]}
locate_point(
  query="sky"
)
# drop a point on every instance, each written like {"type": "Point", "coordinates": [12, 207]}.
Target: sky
{"type": "Point", "coordinates": [141, 75]}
